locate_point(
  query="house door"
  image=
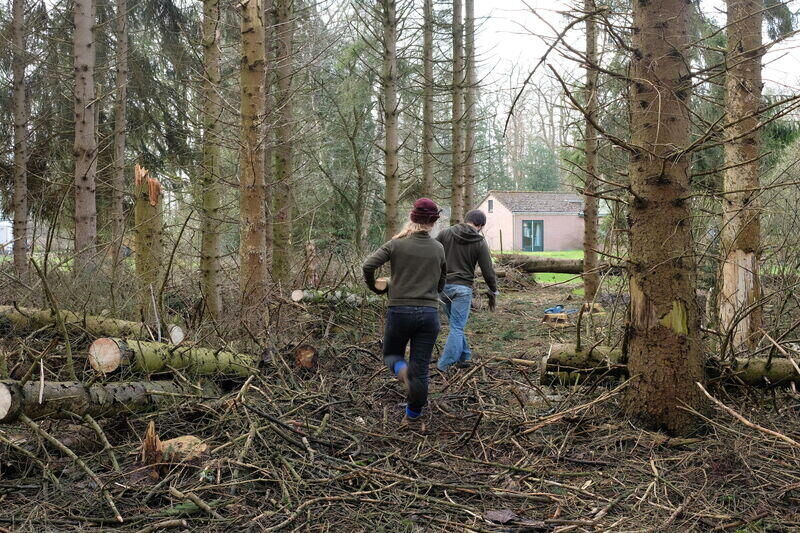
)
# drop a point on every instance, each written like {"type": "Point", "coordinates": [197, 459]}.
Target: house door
{"type": "Point", "coordinates": [532, 235]}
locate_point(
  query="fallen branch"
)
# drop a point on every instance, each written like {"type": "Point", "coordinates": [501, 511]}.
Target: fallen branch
{"type": "Point", "coordinates": [746, 422]}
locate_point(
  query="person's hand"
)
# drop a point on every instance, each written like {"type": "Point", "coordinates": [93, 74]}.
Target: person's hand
{"type": "Point", "coordinates": [492, 300]}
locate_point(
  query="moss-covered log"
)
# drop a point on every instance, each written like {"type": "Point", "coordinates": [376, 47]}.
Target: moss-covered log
{"type": "Point", "coordinates": [110, 354]}
{"type": "Point", "coordinates": [27, 319]}
{"type": "Point", "coordinates": [565, 364]}
{"type": "Point", "coordinates": [332, 297]}
{"type": "Point", "coordinates": [537, 265]}
{"type": "Point", "coordinates": [59, 398]}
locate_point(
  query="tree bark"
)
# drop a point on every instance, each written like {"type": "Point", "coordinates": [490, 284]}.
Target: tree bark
{"type": "Point", "coordinates": [316, 296]}
{"type": "Point", "coordinates": [210, 220]}
{"type": "Point", "coordinates": [85, 150]}
{"type": "Point", "coordinates": [284, 66]}
{"type": "Point", "coordinates": [470, 113]}
{"type": "Point", "coordinates": [390, 116]}
{"type": "Point", "coordinates": [20, 112]}
{"type": "Point", "coordinates": [26, 319]}
{"type": "Point", "coordinates": [112, 354]}
{"type": "Point", "coordinates": [591, 278]}
{"type": "Point", "coordinates": [252, 250]}
{"type": "Point", "coordinates": [149, 246]}
{"type": "Point", "coordinates": [534, 264]}
{"type": "Point", "coordinates": [269, 118]}
{"type": "Point", "coordinates": [427, 100]}
{"type": "Point", "coordinates": [120, 130]}
{"type": "Point", "coordinates": [664, 349]}
{"type": "Point", "coordinates": [63, 399]}
{"type": "Point", "coordinates": [740, 287]}
{"type": "Point", "coordinates": [457, 176]}
{"type": "Point", "coordinates": [565, 361]}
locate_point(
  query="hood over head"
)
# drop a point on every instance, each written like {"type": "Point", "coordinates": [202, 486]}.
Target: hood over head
{"type": "Point", "coordinates": [464, 233]}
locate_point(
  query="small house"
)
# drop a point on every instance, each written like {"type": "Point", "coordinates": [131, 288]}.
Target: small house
{"type": "Point", "coordinates": [533, 221]}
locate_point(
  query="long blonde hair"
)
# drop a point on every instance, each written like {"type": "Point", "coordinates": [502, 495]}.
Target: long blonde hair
{"type": "Point", "coordinates": [413, 227]}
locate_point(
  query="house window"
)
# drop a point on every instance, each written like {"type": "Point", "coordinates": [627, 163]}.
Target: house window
{"type": "Point", "coordinates": [491, 206]}
{"type": "Point", "coordinates": [532, 236]}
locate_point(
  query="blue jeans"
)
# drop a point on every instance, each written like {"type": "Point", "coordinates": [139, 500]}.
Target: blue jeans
{"type": "Point", "coordinates": [457, 301]}
{"type": "Point", "coordinates": [420, 326]}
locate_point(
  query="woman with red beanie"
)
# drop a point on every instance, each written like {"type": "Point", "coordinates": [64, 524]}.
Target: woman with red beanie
{"type": "Point", "coordinates": [418, 274]}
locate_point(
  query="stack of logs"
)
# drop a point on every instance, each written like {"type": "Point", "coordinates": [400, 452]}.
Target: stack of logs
{"type": "Point", "coordinates": [118, 351]}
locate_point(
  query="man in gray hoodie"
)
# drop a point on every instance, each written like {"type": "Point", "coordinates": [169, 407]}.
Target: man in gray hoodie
{"type": "Point", "coordinates": [464, 248]}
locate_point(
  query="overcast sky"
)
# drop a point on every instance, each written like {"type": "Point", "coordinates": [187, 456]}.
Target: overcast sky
{"type": "Point", "coordinates": [512, 39]}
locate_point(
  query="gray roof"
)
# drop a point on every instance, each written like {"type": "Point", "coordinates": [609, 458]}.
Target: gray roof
{"type": "Point", "coordinates": [539, 202]}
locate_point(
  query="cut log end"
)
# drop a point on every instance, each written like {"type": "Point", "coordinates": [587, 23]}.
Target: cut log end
{"type": "Point", "coordinates": [176, 334]}
{"type": "Point", "coordinates": [5, 400]}
{"type": "Point", "coordinates": [306, 356]}
{"type": "Point", "coordinates": [297, 295]}
{"type": "Point", "coordinates": [105, 355]}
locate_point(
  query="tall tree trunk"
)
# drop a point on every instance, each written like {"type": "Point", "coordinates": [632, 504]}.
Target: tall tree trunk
{"type": "Point", "coordinates": [664, 349]}
{"type": "Point", "coordinates": [149, 244]}
{"type": "Point", "coordinates": [457, 177]}
{"type": "Point", "coordinates": [252, 248]}
{"type": "Point", "coordinates": [390, 115]}
{"type": "Point", "coordinates": [269, 117]}
{"type": "Point", "coordinates": [284, 69]}
{"type": "Point", "coordinates": [20, 246]}
{"type": "Point", "coordinates": [85, 141]}
{"type": "Point", "coordinates": [470, 93]}
{"type": "Point", "coordinates": [740, 288]}
{"type": "Point", "coordinates": [120, 128]}
{"type": "Point", "coordinates": [591, 278]}
{"type": "Point", "coordinates": [427, 100]}
{"type": "Point", "coordinates": [210, 221]}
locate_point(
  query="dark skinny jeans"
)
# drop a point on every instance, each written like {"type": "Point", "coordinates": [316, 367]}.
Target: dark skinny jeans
{"type": "Point", "coordinates": [420, 325]}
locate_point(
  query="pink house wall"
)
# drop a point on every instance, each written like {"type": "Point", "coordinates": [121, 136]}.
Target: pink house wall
{"type": "Point", "coordinates": [561, 232]}
{"type": "Point", "coordinates": [500, 219]}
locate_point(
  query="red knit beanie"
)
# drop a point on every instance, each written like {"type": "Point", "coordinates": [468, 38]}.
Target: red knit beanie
{"type": "Point", "coordinates": [425, 211]}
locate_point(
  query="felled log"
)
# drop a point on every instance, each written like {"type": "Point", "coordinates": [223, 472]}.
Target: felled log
{"type": "Point", "coordinates": [564, 363]}
{"type": "Point", "coordinates": [337, 297]}
{"type": "Point", "coordinates": [109, 354]}
{"type": "Point", "coordinates": [97, 400]}
{"type": "Point", "coordinates": [28, 319]}
{"type": "Point", "coordinates": [537, 265]}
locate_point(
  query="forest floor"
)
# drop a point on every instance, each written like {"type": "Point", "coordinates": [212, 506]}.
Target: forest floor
{"type": "Point", "coordinates": [498, 451]}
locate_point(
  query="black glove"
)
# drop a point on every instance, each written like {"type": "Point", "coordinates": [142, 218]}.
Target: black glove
{"type": "Point", "coordinates": [492, 300]}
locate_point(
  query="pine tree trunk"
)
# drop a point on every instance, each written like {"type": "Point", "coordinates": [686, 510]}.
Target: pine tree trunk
{"type": "Point", "coordinates": [149, 245]}
{"type": "Point", "coordinates": [390, 115]}
{"type": "Point", "coordinates": [252, 248]}
{"type": "Point", "coordinates": [110, 354]}
{"type": "Point", "coordinates": [457, 176]}
{"type": "Point", "coordinates": [20, 246]}
{"type": "Point", "coordinates": [269, 118]}
{"type": "Point", "coordinates": [64, 399]}
{"type": "Point", "coordinates": [470, 97]}
{"type": "Point", "coordinates": [17, 320]}
{"type": "Point", "coordinates": [210, 217]}
{"type": "Point", "coordinates": [427, 101]}
{"type": "Point", "coordinates": [740, 289]}
{"type": "Point", "coordinates": [591, 278]}
{"type": "Point", "coordinates": [663, 345]}
{"type": "Point", "coordinates": [283, 205]}
{"type": "Point", "coordinates": [85, 142]}
{"type": "Point", "coordinates": [120, 129]}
